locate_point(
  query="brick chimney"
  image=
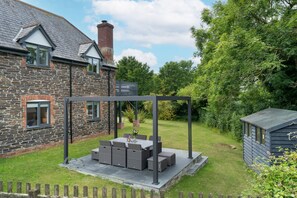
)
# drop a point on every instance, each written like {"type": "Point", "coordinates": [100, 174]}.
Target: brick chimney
{"type": "Point", "coordinates": [105, 40]}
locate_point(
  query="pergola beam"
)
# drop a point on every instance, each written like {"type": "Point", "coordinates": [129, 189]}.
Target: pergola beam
{"type": "Point", "coordinates": [116, 99]}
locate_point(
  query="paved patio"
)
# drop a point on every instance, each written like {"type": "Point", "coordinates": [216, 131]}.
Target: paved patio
{"type": "Point", "coordinates": [140, 179]}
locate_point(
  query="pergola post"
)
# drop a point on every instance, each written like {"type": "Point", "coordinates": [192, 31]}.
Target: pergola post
{"type": "Point", "coordinates": [65, 131]}
{"type": "Point", "coordinates": [115, 119]}
{"type": "Point", "coordinates": [116, 99]}
{"type": "Point", "coordinates": [155, 141]}
{"type": "Point", "coordinates": [190, 129]}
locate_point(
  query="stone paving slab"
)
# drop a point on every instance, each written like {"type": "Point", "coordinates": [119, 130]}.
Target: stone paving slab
{"type": "Point", "coordinates": [135, 178]}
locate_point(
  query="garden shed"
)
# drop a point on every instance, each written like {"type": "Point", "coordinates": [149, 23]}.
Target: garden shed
{"type": "Point", "coordinates": [266, 131]}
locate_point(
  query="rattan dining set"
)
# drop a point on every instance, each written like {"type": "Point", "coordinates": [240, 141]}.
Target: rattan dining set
{"type": "Point", "coordinates": [133, 154]}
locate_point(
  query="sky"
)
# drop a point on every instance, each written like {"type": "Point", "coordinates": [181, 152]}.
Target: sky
{"type": "Point", "coordinates": [154, 31]}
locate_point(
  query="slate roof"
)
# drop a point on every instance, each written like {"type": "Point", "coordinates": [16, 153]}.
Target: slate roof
{"type": "Point", "coordinates": [15, 15]}
{"type": "Point", "coordinates": [272, 119]}
{"type": "Point", "coordinates": [24, 32]}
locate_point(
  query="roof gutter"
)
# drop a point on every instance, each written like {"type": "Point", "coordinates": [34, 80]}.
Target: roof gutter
{"type": "Point", "coordinates": [13, 51]}
{"type": "Point", "coordinates": [69, 61]}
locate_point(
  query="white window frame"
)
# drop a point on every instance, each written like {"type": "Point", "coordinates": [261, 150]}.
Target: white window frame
{"type": "Point", "coordinates": [38, 104]}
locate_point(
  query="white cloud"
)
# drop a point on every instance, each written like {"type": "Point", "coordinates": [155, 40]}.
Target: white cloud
{"type": "Point", "coordinates": [144, 57]}
{"type": "Point", "coordinates": [196, 60]}
{"type": "Point", "coordinates": [152, 22]}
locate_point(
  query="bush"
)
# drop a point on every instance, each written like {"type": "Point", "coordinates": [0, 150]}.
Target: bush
{"type": "Point", "coordinates": [279, 179]}
{"type": "Point", "coordinates": [141, 116]}
{"type": "Point", "coordinates": [166, 110]}
{"type": "Point", "coordinates": [129, 114]}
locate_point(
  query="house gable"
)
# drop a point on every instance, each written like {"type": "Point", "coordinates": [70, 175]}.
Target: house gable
{"type": "Point", "coordinates": [90, 50]}
{"type": "Point", "coordinates": [35, 35]}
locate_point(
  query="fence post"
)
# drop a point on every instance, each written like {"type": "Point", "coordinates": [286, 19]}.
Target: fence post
{"type": "Point", "coordinates": [66, 191]}
{"type": "Point", "coordinates": [104, 192]}
{"type": "Point", "coordinates": [75, 191]}
{"type": "Point", "coordinates": [181, 195]}
{"type": "Point", "coordinates": [56, 190]}
{"type": "Point", "coordinates": [210, 195]}
{"type": "Point", "coordinates": [133, 193]}
{"type": "Point", "coordinates": [200, 195]}
{"type": "Point", "coordinates": [28, 187]}
{"type": "Point", "coordinates": [19, 187]}
{"type": "Point", "coordinates": [114, 193]}
{"type": "Point", "coordinates": [95, 192]}
{"type": "Point", "coordinates": [124, 193]}
{"type": "Point", "coordinates": [191, 195]}
{"type": "Point", "coordinates": [37, 187]}
{"type": "Point", "coordinates": [33, 193]}
{"type": "Point", "coordinates": [85, 192]}
{"type": "Point", "coordinates": [1, 186]}
{"type": "Point", "coordinates": [9, 187]}
{"type": "Point", "coordinates": [162, 194]}
{"type": "Point", "coordinates": [142, 193]}
{"type": "Point", "coordinates": [47, 189]}
{"type": "Point", "coordinates": [152, 193]}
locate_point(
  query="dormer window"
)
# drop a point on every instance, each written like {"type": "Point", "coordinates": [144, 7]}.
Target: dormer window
{"type": "Point", "coordinates": [94, 65]}
{"type": "Point", "coordinates": [38, 55]}
{"type": "Point", "coordinates": [38, 44]}
{"type": "Point", "coordinates": [91, 53]}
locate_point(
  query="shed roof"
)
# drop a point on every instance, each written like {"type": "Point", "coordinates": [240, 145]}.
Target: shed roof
{"type": "Point", "coordinates": [272, 119]}
{"type": "Point", "coordinates": [15, 15]}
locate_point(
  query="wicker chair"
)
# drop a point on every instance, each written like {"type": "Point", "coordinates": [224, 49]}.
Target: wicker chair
{"type": "Point", "coordinates": [126, 135]}
{"type": "Point", "coordinates": [141, 137]}
{"type": "Point", "coordinates": [105, 152]}
{"type": "Point", "coordinates": [119, 154]}
{"type": "Point", "coordinates": [151, 138]}
{"type": "Point", "coordinates": [159, 146]}
{"type": "Point", "coordinates": [136, 157]}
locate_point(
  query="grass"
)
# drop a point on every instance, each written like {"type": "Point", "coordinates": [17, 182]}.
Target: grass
{"type": "Point", "coordinates": [225, 172]}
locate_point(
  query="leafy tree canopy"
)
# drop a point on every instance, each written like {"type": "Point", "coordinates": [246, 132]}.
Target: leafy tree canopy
{"type": "Point", "coordinates": [174, 76]}
{"type": "Point", "coordinates": [248, 55]}
{"type": "Point", "coordinates": [131, 70]}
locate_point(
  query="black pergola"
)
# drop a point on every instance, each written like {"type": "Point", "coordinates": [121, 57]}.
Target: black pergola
{"type": "Point", "coordinates": [116, 99]}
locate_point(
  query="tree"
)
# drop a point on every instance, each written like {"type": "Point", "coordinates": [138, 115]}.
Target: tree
{"type": "Point", "coordinates": [248, 55]}
{"type": "Point", "coordinates": [131, 70]}
{"type": "Point", "coordinates": [174, 76]}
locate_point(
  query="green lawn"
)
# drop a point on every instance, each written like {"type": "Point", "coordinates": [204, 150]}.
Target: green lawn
{"type": "Point", "coordinates": [225, 172]}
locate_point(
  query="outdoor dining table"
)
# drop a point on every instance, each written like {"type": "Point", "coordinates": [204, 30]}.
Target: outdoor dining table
{"type": "Point", "coordinates": [145, 144]}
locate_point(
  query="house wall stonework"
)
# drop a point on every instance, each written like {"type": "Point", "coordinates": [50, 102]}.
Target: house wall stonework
{"type": "Point", "coordinates": [20, 83]}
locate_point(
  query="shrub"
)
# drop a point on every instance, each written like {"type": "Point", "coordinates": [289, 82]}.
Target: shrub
{"type": "Point", "coordinates": [141, 116]}
{"type": "Point", "coordinates": [279, 179]}
{"type": "Point", "coordinates": [165, 108]}
{"type": "Point", "coordinates": [129, 114]}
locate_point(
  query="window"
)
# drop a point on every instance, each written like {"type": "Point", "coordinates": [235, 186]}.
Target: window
{"type": "Point", "coordinates": [93, 110]}
{"type": "Point", "coordinates": [247, 129]}
{"type": "Point", "coordinates": [38, 55]}
{"type": "Point", "coordinates": [94, 65]}
{"type": "Point", "coordinates": [38, 114]}
{"type": "Point", "coordinates": [260, 135]}
{"type": "Point", "coordinates": [263, 136]}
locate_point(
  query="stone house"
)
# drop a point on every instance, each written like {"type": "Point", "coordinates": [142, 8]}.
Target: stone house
{"type": "Point", "coordinates": [44, 58]}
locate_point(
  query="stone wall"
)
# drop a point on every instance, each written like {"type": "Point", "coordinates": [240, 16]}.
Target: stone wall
{"type": "Point", "coordinates": [20, 83]}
